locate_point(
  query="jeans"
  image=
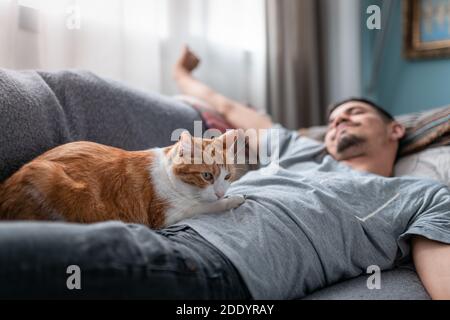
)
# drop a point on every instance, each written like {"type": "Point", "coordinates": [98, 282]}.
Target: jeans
{"type": "Point", "coordinates": [112, 260]}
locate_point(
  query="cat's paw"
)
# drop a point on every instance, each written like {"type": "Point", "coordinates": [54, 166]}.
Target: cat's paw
{"type": "Point", "coordinates": [234, 201]}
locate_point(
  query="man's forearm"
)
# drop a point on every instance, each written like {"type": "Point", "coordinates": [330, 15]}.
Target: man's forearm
{"type": "Point", "coordinates": [237, 114]}
{"type": "Point", "coordinates": [191, 86]}
{"type": "Point", "coordinates": [432, 261]}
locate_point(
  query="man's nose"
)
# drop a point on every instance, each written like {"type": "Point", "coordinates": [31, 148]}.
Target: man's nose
{"type": "Point", "coordinates": [340, 119]}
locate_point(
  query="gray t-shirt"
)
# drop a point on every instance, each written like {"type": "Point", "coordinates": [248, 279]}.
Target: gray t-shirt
{"type": "Point", "coordinates": [316, 221]}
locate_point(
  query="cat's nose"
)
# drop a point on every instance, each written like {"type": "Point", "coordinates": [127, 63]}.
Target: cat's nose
{"type": "Point", "coordinates": [220, 194]}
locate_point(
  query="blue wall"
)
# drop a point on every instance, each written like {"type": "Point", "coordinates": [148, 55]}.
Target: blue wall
{"type": "Point", "coordinates": [402, 85]}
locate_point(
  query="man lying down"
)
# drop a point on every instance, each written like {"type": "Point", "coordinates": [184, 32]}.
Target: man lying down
{"type": "Point", "coordinates": [318, 217]}
{"type": "Point", "coordinates": [326, 214]}
{"type": "Point", "coordinates": [330, 210]}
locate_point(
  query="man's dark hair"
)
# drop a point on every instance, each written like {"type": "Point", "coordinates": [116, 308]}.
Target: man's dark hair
{"type": "Point", "coordinates": [383, 113]}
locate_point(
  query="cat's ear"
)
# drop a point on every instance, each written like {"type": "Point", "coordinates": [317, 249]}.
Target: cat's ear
{"type": "Point", "coordinates": [186, 144]}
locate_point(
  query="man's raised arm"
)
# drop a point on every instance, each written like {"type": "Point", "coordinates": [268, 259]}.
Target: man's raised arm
{"type": "Point", "coordinates": [237, 114]}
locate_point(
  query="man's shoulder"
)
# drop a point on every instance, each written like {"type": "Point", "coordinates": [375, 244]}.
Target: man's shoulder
{"type": "Point", "coordinates": [422, 185]}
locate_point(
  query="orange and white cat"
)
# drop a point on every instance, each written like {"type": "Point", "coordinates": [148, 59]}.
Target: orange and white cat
{"type": "Point", "coordinates": [88, 182]}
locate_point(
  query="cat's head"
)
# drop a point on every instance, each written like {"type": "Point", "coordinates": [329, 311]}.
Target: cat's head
{"type": "Point", "coordinates": [203, 169]}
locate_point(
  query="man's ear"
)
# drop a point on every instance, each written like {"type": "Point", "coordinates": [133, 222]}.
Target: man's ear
{"type": "Point", "coordinates": [397, 131]}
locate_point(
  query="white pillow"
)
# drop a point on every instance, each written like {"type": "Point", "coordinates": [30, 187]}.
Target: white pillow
{"type": "Point", "coordinates": [433, 163]}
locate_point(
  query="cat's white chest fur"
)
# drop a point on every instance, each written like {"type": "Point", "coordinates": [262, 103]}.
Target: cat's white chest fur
{"type": "Point", "coordinates": [183, 201]}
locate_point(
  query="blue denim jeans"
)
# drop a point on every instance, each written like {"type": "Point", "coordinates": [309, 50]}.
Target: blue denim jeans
{"type": "Point", "coordinates": [113, 260]}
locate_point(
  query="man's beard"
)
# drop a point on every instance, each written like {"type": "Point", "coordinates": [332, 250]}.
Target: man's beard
{"type": "Point", "coordinates": [349, 141]}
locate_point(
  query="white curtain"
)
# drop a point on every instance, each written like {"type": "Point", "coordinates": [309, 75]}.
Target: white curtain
{"type": "Point", "coordinates": [137, 41]}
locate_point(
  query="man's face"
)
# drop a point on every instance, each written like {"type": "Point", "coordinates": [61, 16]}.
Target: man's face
{"type": "Point", "coordinates": [354, 129]}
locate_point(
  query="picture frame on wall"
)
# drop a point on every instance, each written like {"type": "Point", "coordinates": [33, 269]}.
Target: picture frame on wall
{"type": "Point", "coordinates": [426, 28]}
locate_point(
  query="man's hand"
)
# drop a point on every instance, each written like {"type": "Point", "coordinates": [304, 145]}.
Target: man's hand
{"type": "Point", "coordinates": [432, 261]}
{"type": "Point", "coordinates": [186, 63]}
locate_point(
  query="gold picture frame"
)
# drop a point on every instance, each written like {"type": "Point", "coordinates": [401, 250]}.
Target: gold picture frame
{"type": "Point", "coordinates": [423, 36]}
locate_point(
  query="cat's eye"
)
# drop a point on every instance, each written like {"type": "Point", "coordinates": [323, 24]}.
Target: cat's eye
{"type": "Point", "coordinates": [228, 176]}
{"type": "Point", "coordinates": [207, 176]}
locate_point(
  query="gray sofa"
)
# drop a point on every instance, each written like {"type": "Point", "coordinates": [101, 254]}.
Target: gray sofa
{"type": "Point", "coordinates": [41, 110]}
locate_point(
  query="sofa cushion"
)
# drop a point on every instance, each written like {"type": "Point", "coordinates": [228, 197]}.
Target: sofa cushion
{"type": "Point", "coordinates": [425, 129]}
{"type": "Point", "coordinates": [398, 284]}
{"type": "Point", "coordinates": [432, 163]}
